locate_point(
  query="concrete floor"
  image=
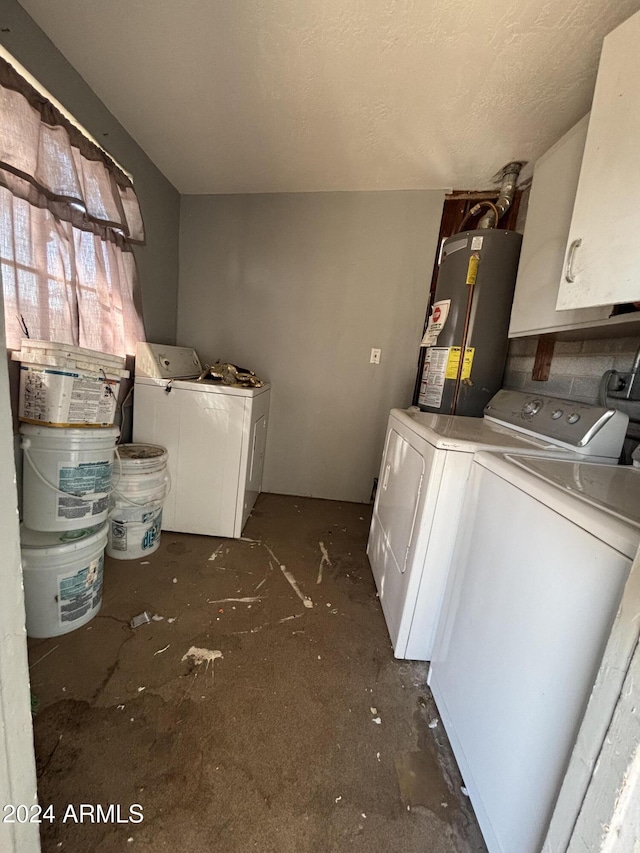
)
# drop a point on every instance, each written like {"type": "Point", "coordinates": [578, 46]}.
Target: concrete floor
{"type": "Point", "coordinates": [304, 735]}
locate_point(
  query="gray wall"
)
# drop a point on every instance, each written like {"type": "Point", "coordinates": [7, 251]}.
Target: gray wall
{"type": "Point", "coordinates": [160, 201]}
{"type": "Point", "coordinates": [299, 288]}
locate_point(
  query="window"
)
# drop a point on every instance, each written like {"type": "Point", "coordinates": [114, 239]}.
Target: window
{"type": "Point", "coordinates": [69, 217]}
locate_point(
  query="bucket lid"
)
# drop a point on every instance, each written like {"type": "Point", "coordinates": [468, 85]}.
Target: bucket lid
{"type": "Point", "coordinates": [70, 351]}
{"type": "Point", "coordinates": [67, 540]}
{"type": "Point", "coordinates": [134, 453]}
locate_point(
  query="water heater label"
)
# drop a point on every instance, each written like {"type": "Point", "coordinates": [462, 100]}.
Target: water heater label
{"type": "Point", "coordinates": [454, 361]}
{"type": "Point", "coordinates": [437, 319]}
{"type": "Point", "coordinates": [476, 243]}
{"type": "Point", "coordinates": [472, 269]}
{"type": "Point", "coordinates": [433, 376]}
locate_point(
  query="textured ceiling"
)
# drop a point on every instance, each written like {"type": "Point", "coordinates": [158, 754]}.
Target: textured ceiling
{"type": "Point", "coordinates": [231, 96]}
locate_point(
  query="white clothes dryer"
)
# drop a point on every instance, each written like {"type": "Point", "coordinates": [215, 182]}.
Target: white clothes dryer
{"type": "Point", "coordinates": [423, 477]}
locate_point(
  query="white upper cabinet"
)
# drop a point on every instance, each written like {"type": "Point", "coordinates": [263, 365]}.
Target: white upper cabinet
{"type": "Point", "coordinates": [553, 192]}
{"type": "Point", "coordinates": [602, 261]}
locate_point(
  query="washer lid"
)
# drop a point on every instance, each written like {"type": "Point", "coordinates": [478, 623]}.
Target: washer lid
{"type": "Point", "coordinates": [602, 499]}
{"type": "Point", "coordinates": [613, 488]}
{"type": "Point", "coordinates": [467, 435]}
{"type": "Point", "coordinates": [67, 540]}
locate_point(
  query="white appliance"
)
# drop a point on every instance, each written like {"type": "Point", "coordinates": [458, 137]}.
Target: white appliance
{"type": "Point", "coordinates": [215, 434]}
{"type": "Point", "coordinates": [424, 472]}
{"type": "Point", "coordinates": [543, 554]}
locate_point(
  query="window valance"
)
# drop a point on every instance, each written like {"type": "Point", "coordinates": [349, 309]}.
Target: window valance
{"type": "Point", "coordinates": [50, 163]}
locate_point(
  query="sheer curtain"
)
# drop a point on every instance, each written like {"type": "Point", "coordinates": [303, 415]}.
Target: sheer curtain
{"type": "Point", "coordinates": [68, 219]}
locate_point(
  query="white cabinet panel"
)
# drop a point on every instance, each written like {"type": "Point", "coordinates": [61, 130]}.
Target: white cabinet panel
{"type": "Point", "coordinates": [602, 265]}
{"type": "Point", "coordinates": [555, 181]}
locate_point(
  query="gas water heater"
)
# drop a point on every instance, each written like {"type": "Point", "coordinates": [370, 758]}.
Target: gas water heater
{"type": "Point", "coordinates": [466, 337]}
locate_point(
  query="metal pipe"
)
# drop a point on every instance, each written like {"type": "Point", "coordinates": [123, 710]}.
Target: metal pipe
{"type": "Point", "coordinates": [505, 198]}
{"type": "Point", "coordinates": [463, 351]}
{"type": "Point", "coordinates": [476, 209]}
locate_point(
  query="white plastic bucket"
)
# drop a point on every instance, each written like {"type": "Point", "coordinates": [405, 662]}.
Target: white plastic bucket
{"type": "Point", "coordinates": [62, 578]}
{"type": "Point", "coordinates": [66, 476]}
{"type": "Point", "coordinates": [140, 485]}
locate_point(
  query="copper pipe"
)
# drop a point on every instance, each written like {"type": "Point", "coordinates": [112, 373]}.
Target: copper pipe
{"type": "Point", "coordinates": [463, 349]}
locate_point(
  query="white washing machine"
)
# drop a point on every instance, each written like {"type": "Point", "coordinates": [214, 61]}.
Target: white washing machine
{"type": "Point", "coordinates": [423, 476]}
{"type": "Point", "coordinates": [543, 554]}
{"type": "Point", "coordinates": [215, 434]}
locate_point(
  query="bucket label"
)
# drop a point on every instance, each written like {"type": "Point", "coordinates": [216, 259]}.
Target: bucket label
{"type": "Point", "coordinates": [85, 478]}
{"type": "Point", "coordinates": [152, 535]}
{"type": "Point", "coordinates": [100, 505]}
{"type": "Point", "coordinates": [92, 401]}
{"type": "Point", "coordinates": [73, 508]}
{"type": "Point", "coordinates": [81, 507]}
{"type": "Point", "coordinates": [80, 592]}
{"type": "Point", "coordinates": [50, 395]}
{"type": "Point", "coordinates": [118, 536]}
{"type": "Point", "coordinates": [33, 401]}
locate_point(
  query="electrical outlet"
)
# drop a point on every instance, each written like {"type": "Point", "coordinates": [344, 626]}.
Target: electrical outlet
{"type": "Point", "coordinates": [375, 356]}
{"type": "Point", "coordinates": [623, 386]}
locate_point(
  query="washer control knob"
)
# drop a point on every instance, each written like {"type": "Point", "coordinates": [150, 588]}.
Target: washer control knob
{"type": "Point", "coordinates": [573, 418]}
{"type": "Point", "coordinates": [531, 407]}
{"type": "Point", "coordinates": [557, 413]}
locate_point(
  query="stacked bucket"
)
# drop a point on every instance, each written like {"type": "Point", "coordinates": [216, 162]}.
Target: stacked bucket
{"type": "Point", "coordinates": [67, 407]}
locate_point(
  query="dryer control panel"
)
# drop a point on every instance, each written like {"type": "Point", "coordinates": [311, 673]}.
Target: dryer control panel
{"type": "Point", "coordinates": [160, 361]}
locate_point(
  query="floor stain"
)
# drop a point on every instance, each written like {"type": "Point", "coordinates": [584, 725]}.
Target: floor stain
{"type": "Point", "coordinates": [421, 781]}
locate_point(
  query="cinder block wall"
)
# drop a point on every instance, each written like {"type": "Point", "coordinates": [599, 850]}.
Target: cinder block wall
{"type": "Point", "coordinates": [576, 369]}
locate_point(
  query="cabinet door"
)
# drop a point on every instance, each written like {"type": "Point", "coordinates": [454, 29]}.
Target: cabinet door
{"type": "Point", "coordinates": [553, 192]}
{"type": "Point", "coordinates": [602, 264]}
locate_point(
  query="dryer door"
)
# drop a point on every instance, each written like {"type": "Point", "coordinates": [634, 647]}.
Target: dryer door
{"type": "Point", "coordinates": [405, 483]}
{"type": "Point", "coordinates": [403, 472]}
